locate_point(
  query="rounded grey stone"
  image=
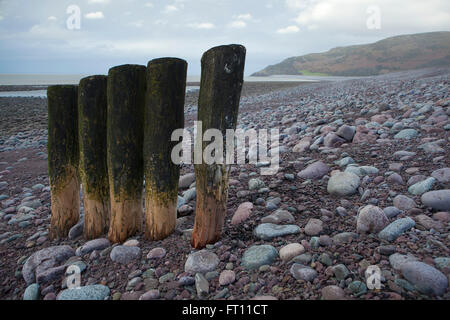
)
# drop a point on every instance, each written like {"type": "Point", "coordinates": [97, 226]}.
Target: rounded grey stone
{"type": "Point", "coordinates": [407, 134]}
{"type": "Point", "coordinates": [438, 200]}
{"type": "Point", "coordinates": [96, 244]}
{"type": "Point", "coordinates": [42, 260]}
{"type": "Point", "coordinates": [421, 187]}
{"type": "Point", "coordinates": [201, 262]}
{"type": "Point", "coordinates": [396, 228]}
{"type": "Point", "coordinates": [425, 278]}
{"type": "Point", "coordinates": [301, 272]}
{"type": "Point", "coordinates": [343, 184]}
{"type": "Point", "coordinates": [125, 254]}
{"type": "Point", "coordinates": [92, 292]}
{"type": "Point", "coordinates": [257, 256]}
{"type": "Point", "coordinates": [268, 231]}
{"type": "Point", "coordinates": [31, 292]}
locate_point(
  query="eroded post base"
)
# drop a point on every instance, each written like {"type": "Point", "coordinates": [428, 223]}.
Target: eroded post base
{"type": "Point", "coordinates": [160, 218]}
{"type": "Point", "coordinates": [126, 219]}
{"type": "Point", "coordinates": [96, 217]}
{"type": "Point", "coordinates": [65, 205]}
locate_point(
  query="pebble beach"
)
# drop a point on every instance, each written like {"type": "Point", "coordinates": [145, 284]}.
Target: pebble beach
{"type": "Point", "coordinates": [364, 180]}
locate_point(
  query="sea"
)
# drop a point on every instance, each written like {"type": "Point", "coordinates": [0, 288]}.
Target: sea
{"type": "Point", "coordinates": [39, 80]}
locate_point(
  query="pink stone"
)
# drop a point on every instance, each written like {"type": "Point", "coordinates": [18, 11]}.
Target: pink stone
{"type": "Point", "coordinates": [442, 216]}
{"type": "Point", "coordinates": [364, 138]}
{"type": "Point", "coordinates": [332, 140]}
{"type": "Point", "coordinates": [290, 251]}
{"type": "Point", "coordinates": [333, 293]}
{"type": "Point", "coordinates": [50, 296]}
{"type": "Point", "coordinates": [150, 295]}
{"type": "Point", "coordinates": [313, 227]}
{"type": "Point", "coordinates": [227, 277]}
{"type": "Point", "coordinates": [156, 253]}
{"type": "Point", "coordinates": [242, 213]}
{"type": "Point", "coordinates": [303, 145]}
{"type": "Point", "coordinates": [264, 298]}
{"type": "Point", "coordinates": [371, 219]}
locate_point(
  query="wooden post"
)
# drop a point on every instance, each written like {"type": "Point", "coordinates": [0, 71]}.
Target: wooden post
{"type": "Point", "coordinates": [218, 108]}
{"type": "Point", "coordinates": [92, 110]}
{"type": "Point", "coordinates": [63, 159]}
{"type": "Point", "coordinates": [126, 100]}
{"type": "Point", "coordinates": [164, 113]}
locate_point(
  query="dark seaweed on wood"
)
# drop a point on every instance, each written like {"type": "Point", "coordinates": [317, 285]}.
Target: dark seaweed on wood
{"type": "Point", "coordinates": [164, 113]}
{"type": "Point", "coordinates": [63, 157]}
{"type": "Point", "coordinates": [92, 112]}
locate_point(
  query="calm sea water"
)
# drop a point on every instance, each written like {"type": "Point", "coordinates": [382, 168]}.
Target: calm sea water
{"type": "Point", "coordinates": [27, 94]}
{"type": "Point", "coordinates": [49, 79]}
{"type": "Point", "coordinates": [46, 79]}
{"type": "Point", "coordinates": [43, 93]}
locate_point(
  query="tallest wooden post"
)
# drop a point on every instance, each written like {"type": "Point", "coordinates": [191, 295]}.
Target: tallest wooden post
{"type": "Point", "coordinates": [218, 107]}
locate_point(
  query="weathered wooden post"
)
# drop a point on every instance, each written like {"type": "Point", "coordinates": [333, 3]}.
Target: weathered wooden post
{"type": "Point", "coordinates": [92, 110]}
{"type": "Point", "coordinates": [164, 113]}
{"type": "Point", "coordinates": [126, 100]}
{"type": "Point", "coordinates": [218, 106]}
{"type": "Point", "coordinates": [63, 156]}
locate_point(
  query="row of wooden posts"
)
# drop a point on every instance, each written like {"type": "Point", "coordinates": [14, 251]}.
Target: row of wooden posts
{"type": "Point", "coordinates": [110, 132]}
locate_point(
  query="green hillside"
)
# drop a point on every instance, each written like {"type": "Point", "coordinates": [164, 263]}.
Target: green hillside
{"type": "Point", "coordinates": [397, 53]}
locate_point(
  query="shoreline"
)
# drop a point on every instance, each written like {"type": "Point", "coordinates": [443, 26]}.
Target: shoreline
{"type": "Point", "coordinates": [29, 87]}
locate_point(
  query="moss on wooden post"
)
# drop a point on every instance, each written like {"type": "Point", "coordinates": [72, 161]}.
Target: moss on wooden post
{"type": "Point", "coordinates": [63, 157]}
{"type": "Point", "coordinates": [92, 110]}
{"type": "Point", "coordinates": [218, 108]}
{"type": "Point", "coordinates": [126, 99]}
{"type": "Point", "coordinates": [164, 113]}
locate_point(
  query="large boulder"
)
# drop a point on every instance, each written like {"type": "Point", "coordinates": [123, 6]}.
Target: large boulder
{"type": "Point", "coordinates": [43, 260]}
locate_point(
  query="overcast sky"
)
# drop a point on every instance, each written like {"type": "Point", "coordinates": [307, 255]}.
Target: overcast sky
{"type": "Point", "coordinates": [35, 38]}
